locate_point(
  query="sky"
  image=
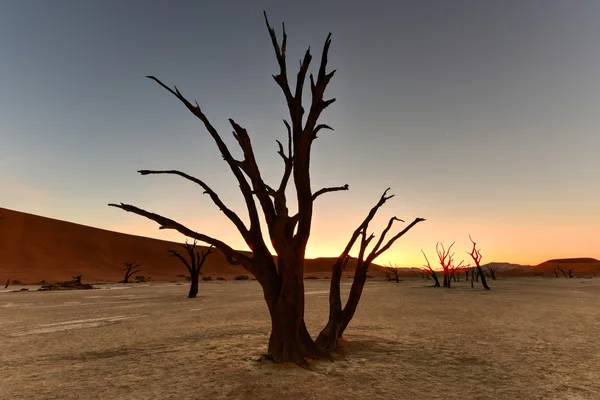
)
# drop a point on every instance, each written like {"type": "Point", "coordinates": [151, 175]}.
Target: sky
{"type": "Point", "coordinates": [481, 116]}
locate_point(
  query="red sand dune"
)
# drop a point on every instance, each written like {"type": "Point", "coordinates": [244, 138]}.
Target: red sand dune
{"type": "Point", "coordinates": [35, 248]}
{"type": "Point", "coordinates": [581, 266]}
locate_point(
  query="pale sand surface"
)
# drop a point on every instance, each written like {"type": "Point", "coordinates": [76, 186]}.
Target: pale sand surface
{"type": "Point", "coordinates": [529, 338]}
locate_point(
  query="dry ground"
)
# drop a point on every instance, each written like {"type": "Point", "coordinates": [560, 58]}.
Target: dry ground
{"type": "Point", "coordinates": [529, 338]}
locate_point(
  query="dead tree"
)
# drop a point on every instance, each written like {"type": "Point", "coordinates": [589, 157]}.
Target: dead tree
{"type": "Point", "coordinates": [447, 262]}
{"type": "Point", "coordinates": [387, 271]}
{"type": "Point", "coordinates": [194, 265]}
{"type": "Point", "coordinates": [339, 317]}
{"type": "Point", "coordinates": [392, 273]}
{"type": "Point", "coordinates": [430, 272]}
{"type": "Point", "coordinates": [476, 256]}
{"type": "Point", "coordinates": [77, 279]}
{"type": "Point", "coordinates": [7, 283]}
{"type": "Point", "coordinates": [570, 272]}
{"type": "Point", "coordinates": [555, 270]}
{"type": "Point", "coordinates": [563, 271]}
{"type": "Point", "coordinates": [282, 281]}
{"type": "Point", "coordinates": [492, 271]}
{"type": "Point", "coordinates": [131, 267]}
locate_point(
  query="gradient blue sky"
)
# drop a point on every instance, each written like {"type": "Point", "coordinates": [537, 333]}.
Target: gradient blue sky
{"type": "Point", "coordinates": [482, 116]}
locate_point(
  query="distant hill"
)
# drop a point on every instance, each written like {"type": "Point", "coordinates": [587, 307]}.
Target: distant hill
{"type": "Point", "coordinates": [581, 266]}
{"type": "Point", "coordinates": [508, 269]}
{"type": "Point", "coordinates": [35, 248]}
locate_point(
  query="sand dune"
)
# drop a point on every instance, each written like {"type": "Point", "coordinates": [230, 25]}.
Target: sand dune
{"type": "Point", "coordinates": [35, 248]}
{"type": "Point", "coordinates": [580, 266]}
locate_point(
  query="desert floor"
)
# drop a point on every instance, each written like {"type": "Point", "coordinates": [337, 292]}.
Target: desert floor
{"type": "Point", "coordinates": [529, 338]}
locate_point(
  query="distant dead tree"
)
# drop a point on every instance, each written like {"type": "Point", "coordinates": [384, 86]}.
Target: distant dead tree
{"type": "Point", "coordinates": [7, 282]}
{"type": "Point", "coordinates": [281, 279]}
{"type": "Point", "coordinates": [555, 270]}
{"type": "Point", "coordinates": [340, 317]}
{"type": "Point", "coordinates": [476, 256]}
{"type": "Point", "coordinates": [430, 272]}
{"type": "Point", "coordinates": [447, 262]}
{"type": "Point", "coordinates": [492, 271]}
{"type": "Point", "coordinates": [194, 265]}
{"type": "Point", "coordinates": [563, 271]}
{"type": "Point", "coordinates": [392, 272]}
{"type": "Point", "coordinates": [131, 267]}
{"type": "Point", "coordinates": [77, 279]}
{"type": "Point", "coordinates": [570, 272]}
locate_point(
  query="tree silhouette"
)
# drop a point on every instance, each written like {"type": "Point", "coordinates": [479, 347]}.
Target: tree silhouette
{"type": "Point", "coordinates": [131, 267]}
{"type": "Point", "coordinates": [339, 317]}
{"type": "Point", "coordinates": [492, 270]}
{"type": "Point", "coordinates": [476, 256]}
{"type": "Point", "coordinates": [282, 281]}
{"type": "Point", "coordinates": [447, 262]}
{"type": "Point", "coordinates": [430, 271]}
{"type": "Point", "coordinates": [194, 265]}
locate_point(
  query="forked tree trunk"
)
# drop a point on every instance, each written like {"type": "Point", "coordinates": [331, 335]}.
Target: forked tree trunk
{"type": "Point", "coordinates": [290, 340]}
{"type": "Point", "coordinates": [195, 277]}
{"type": "Point", "coordinates": [339, 319]}
{"type": "Point", "coordinates": [328, 338]}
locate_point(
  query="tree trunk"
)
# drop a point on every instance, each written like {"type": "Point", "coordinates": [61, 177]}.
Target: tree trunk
{"type": "Point", "coordinates": [328, 338]}
{"type": "Point", "coordinates": [195, 276]}
{"type": "Point", "coordinates": [435, 278]}
{"type": "Point", "coordinates": [483, 281]}
{"type": "Point", "coordinates": [284, 293]}
{"type": "Point", "coordinates": [360, 277]}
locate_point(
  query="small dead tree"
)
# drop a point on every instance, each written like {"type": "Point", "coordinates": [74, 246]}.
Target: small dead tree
{"type": "Point", "coordinates": [476, 256]}
{"type": "Point", "coordinates": [392, 272]}
{"type": "Point", "coordinates": [131, 267]}
{"type": "Point", "coordinates": [447, 262]}
{"type": "Point", "coordinates": [430, 272]}
{"type": "Point", "coordinates": [492, 271]}
{"type": "Point", "coordinates": [194, 265]}
{"type": "Point", "coordinates": [555, 270]}
{"type": "Point", "coordinates": [77, 279]}
{"type": "Point", "coordinates": [570, 272]}
{"type": "Point", "coordinates": [7, 283]}
{"type": "Point", "coordinates": [564, 272]}
{"type": "Point", "coordinates": [339, 317]}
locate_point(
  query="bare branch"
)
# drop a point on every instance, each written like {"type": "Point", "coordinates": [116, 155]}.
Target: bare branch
{"type": "Point", "coordinates": [183, 260]}
{"type": "Point", "coordinates": [288, 160]}
{"type": "Point", "coordinates": [233, 164]}
{"type": "Point", "coordinates": [329, 189]}
{"type": "Point", "coordinates": [384, 233]}
{"type": "Point", "coordinates": [166, 223]}
{"type": "Point", "coordinates": [281, 78]}
{"type": "Point", "coordinates": [250, 167]}
{"type": "Point", "coordinates": [396, 237]}
{"type": "Point", "coordinates": [215, 198]}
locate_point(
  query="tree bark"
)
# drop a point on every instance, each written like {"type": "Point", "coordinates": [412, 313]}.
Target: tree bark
{"type": "Point", "coordinates": [435, 278]}
{"type": "Point", "coordinates": [328, 338]}
{"type": "Point", "coordinates": [290, 340]}
{"type": "Point", "coordinates": [195, 277]}
{"type": "Point", "coordinates": [483, 280]}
